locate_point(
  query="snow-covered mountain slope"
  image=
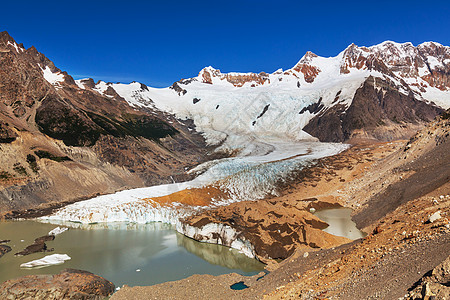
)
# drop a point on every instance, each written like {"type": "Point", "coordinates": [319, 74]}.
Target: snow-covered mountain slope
{"type": "Point", "coordinates": [242, 106]}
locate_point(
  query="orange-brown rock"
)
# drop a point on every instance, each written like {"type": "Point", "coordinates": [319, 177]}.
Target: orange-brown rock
{"type": "Point", "coordinates": [275, 229]}
{"type": "Point", "coordinates": [206, 77]}
{"type": "Point", "coordinates": [309, 72]}
{"type": "Point", "coordinates": [236, 79]}
{"type": "Point", "coordinates": [192, 197]}
{"type": "Point", "coordinates": [68, 284]}
{"type": "Point", "coordinates": [352, 59]}
{"type": "Point", "coordinates": [241, 79]}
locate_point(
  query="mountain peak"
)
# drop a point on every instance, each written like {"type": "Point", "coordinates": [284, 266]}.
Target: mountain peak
{"type": "Point", "coordinates": [5, 37]}
{"type": "Point", "coordinates": [307, 57]}
{"type": "Point", "coordinates": [207, 73]}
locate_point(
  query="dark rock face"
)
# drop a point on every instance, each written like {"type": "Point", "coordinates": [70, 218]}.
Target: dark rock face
{"type": "Point", "coordinates": [264, 111]}
{"type": "Point", "coordinates": [69, 284]}
{"type": "Point", "coordinates": [64, 123]}
{"type": "Point", "coordinates": [177, 88]}
{"type": "Point", "coordinates": [376, 104]}
{"type": "Point", "coordinates": [76, 127]}
{"type": "Point", "coordinates": [89, 82]}
{"type": "Point", "coordinates": [313, 108]}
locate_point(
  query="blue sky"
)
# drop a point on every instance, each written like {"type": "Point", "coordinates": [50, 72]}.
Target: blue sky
{"type": "Point", "coordinates": [159, 42]}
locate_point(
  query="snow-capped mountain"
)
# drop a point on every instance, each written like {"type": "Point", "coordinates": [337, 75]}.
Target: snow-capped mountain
{"type": "Point", "coordinates": [385, 91]}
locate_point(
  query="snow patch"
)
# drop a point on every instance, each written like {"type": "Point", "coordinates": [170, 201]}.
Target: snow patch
{"type": "Point", "coordinates": [52, 78]}
{"type": "Point", "coordinates": [439, 97]}
{"type": "Point", "coordinates": [18, 49]}
{"type": "Point", "coordinates": [80, 84]}
{"type": "Point", "coordinates": [433, 62]}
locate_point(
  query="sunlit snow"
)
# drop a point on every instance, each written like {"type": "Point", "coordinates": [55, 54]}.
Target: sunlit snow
{"type": "Point", "coordinates": [53, 78]}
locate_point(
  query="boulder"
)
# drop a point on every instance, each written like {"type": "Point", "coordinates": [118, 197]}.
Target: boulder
{"type": "Point", "coordinates": [434, 217]}
{"type": "Point", "coordinates": [69, 284]}
{"type": "Point", "coordinates": [434, 284]}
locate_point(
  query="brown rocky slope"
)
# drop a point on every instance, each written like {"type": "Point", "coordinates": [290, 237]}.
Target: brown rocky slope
{"type": "Point", "coordinates": [61, 143]}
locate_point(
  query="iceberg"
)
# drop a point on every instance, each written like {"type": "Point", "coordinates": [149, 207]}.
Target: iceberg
{"type": "Point", "coordinates": [57, 230]}
{"type": "Point", "coordinates": [49, 260]}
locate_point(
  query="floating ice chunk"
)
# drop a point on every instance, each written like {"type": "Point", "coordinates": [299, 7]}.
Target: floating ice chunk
{"type": "Point", "coordinates": [58, 230]}
{"type": "Point", "coordinates": [49, 260]}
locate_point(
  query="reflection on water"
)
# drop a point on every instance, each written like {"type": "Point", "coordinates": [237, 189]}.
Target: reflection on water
{"type": "Point", "coordinates": [220, 255]}
{"type": "Point", "coordinates": [116, 250]}
{"type": "Point", "coordinates": [340, 222]}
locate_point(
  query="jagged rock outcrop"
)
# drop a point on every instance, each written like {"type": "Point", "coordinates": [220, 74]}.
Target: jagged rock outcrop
{"type": "Point", "coordinates": [209, 75]}
{"type": "Point", "coordinates": [68, 284]}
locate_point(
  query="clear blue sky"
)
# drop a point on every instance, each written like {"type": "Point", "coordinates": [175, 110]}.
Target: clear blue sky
{"type": "Point", "coordinates": [159, 42]}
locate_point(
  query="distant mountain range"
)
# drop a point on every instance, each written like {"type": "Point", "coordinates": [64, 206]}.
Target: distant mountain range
{"type": "Point", "coordinates": [384, 92]}
{"type": "Point", "coordinates": [63, 139]}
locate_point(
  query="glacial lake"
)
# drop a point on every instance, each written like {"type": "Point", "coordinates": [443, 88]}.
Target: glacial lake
{"type": "Point", "coordinates": [131, 254]}
{"type": "Point", "coordinates": [144, 252]}
{"type": "Point", "coordinates": [340, 222]}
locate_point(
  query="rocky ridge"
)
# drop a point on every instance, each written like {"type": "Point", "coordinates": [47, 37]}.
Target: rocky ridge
{"type": "Point", "coordinates": [425, 65]}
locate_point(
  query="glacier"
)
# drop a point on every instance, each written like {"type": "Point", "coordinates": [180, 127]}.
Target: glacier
{"type": "Point", "coordinates": [249, 177]}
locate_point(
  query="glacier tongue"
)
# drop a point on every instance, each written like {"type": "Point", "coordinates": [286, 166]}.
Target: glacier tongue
{"type": "Point", "coordinates": [242, 178]}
